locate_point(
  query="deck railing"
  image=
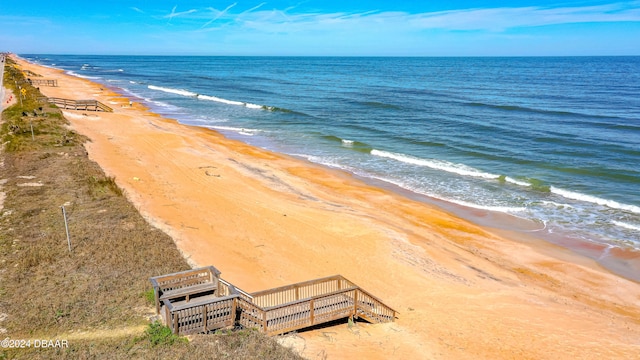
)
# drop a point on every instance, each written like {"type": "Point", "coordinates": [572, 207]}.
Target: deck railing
{"type": "Point", "coordinates": [302, 290]}
{"type": "Point", "coordinates": [292, 307]}
{"type": "Point", "coordinates": [88, 105]}
{"type": "Point", "coordinates": [185, 279]}
{"type": "Point", "coordinates": [45, 82]}
{"type": "Point", "coordinates": [274, 311]}
{"type": "Point", "coordinates": [226, 288]}
{"type": "Point", "coordinates": [201, 317]}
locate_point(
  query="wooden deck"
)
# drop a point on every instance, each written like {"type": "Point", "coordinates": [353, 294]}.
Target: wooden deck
{"type": "Point", "coordinates": [87, 105]}
{"type": "Point", "coordinates": [43, 82]}
{"type": "Point", "coordinates": [274, 311]}
{"type": "Point", "coordinates": [297, 306]}
{"type": "Point", "coordinates": [185, 285]}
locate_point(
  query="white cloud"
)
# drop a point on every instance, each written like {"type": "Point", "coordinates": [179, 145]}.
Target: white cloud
{"type": "Point", "coordinates": [495, 19]}
{"type": "Point", "coordinates": [218, 14]}
{"type": "Point", "coordinates": [177, 14]}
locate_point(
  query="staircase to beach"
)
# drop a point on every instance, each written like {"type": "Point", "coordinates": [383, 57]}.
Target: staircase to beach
{"type": "Point", "coordinates": [276, 311]}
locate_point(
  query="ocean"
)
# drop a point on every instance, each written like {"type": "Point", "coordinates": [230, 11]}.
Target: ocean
{"type": "Point", "coordinates": [550, 142]}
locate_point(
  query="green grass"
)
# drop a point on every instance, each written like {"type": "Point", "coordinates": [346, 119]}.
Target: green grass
{"type": "Point", "coordinates": [161, 335]}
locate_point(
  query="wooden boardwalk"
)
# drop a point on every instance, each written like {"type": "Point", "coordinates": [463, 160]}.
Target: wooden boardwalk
{"type": "Point", "coordinates": [274, 311]}
{"type": "Point", "coordinates": [45, 82]}
{"type": "Point", "coordinates": [67, 104]}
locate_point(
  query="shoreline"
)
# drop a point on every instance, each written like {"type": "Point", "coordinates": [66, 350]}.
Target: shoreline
{"type": "Point", "coordinates": [267, 219]}
{"type": "Point", "coordinates": [520, 229]}
{"type": "Point", "coordinates": [624, 262]}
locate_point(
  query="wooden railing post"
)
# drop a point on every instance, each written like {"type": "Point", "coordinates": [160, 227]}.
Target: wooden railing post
{"type": "Point", "coordinates": [204, 318]}
{"type": "Point", "coordinates": [264, 322]}
{"type": "Point", "coordinates": [355, 303]}
{"type": "Point", "coordinates": [175, 323]}
{"type": "Point", "coordinates": [311, 315]}
{"type": "Point", "coordinates": [167, 317]}
{"type": "Point", "coordinates": [234, 310]}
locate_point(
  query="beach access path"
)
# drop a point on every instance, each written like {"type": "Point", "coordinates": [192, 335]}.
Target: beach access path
{"type": "Point", "coordinates": [267, 220]}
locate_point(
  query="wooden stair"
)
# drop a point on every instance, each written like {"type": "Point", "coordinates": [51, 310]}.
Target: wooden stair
{"type": "Point", "coordinates": [275, 311]}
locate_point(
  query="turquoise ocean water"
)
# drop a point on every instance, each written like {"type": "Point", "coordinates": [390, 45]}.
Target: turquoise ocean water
{"type": "Point", "coordinates": [555, 141]}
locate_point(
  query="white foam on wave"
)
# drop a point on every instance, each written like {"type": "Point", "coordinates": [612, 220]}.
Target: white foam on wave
{"type": "Point", "coordinates": [173, 91]}
{"type": "Point", "coordinates": [229, 102]}
{"type": "Point", "coordinates": [242, 131]}
{"type": "Point", "coordinates": [459, 169]}
{"type": "Point", "coordinates": [594, 199]}
{"type": "Point", "coordinates": [83, 76]}
{"type": "Point", "coordinates": [220, 100]}
{"type": "Point", "coordinates": [347, 143]}
{"type": "Point", "coordinates": [557, 205]}
{"type": "Point", "coordinates": [206, 97]}
{"type": "Point", "coordinates": [328, 161]}
{"type": "Point", "coordinates": [626, 225]}
{"type": "Point", "coordinates": [503, 209]}
{"type": "Point", "coordinates": [157, 103]}
{"type": "Point", "coordinates": [517, 182]}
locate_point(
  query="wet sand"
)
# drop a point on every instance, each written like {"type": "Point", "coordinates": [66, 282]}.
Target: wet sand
{"type": "Point", "coordinates": [264, 219]}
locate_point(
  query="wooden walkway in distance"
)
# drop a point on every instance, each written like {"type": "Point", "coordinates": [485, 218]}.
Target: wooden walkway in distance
{"type": "Point", "coordinates": [274, 311]}
{"type": "Point", "coordinates": [45, 82]}
{"type": "Point", "coordinates": [67, 104]}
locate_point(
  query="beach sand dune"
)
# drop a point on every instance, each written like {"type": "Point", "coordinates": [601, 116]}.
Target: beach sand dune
{"type": "Point", "coordinates": [266, 220]}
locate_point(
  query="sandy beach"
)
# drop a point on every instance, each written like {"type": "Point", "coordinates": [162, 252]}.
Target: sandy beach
{"type": "Point", "coordinates": [265, 220]}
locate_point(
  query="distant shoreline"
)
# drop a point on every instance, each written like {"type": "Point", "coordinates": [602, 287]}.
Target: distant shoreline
{"type": "Point", "coordinates": [265, 220]}
{"type": "Point", "coordinates": [624, 262]}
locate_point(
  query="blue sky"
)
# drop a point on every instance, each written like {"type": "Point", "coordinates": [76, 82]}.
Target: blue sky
{"type": "Point", "coordinates": [321, 27]}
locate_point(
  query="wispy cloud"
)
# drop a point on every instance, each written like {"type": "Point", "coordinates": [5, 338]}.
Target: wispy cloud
{"type": "Point", "coordinates": [473, 19]}
{"type": "Point", "coordinates": [176, 14]}
{"type": "Point", "coordinates": [136, 9]}
{"type": "Point", "coordinates": [218, 14]}
{"type": "Point", "coordinates": [499, 19]}
{"type": "Point", "coordinates": [252, 9]}
{"type": "Point", "coordinates": [494, 19]}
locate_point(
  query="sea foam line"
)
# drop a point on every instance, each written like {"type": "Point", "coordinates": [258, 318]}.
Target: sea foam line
{"type": "Point", "coordinates": [594, 199]}
{"type": "Point", "coordinates": [188, 93]}
{"type": "Point", "coordinates": [230, 102]}
{"type": "Point", "coordinates": [173, 91]}
{"type": "Point", "coordinates": [459, 169]}
{"type": "Point", "coordinates": [502, 209]}
{"type": "Point", "coordinates": [626, 225]}
{"type": "Point", "coordinates": [151, 101]}
{"type": "Point", "coordinates": [242, 131]}
{"type": "Point", "coordinates": [83, 76]}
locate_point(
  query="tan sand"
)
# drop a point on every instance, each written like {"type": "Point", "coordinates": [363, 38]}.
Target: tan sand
{"type": "Point", "coordinates": [267, 220]}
